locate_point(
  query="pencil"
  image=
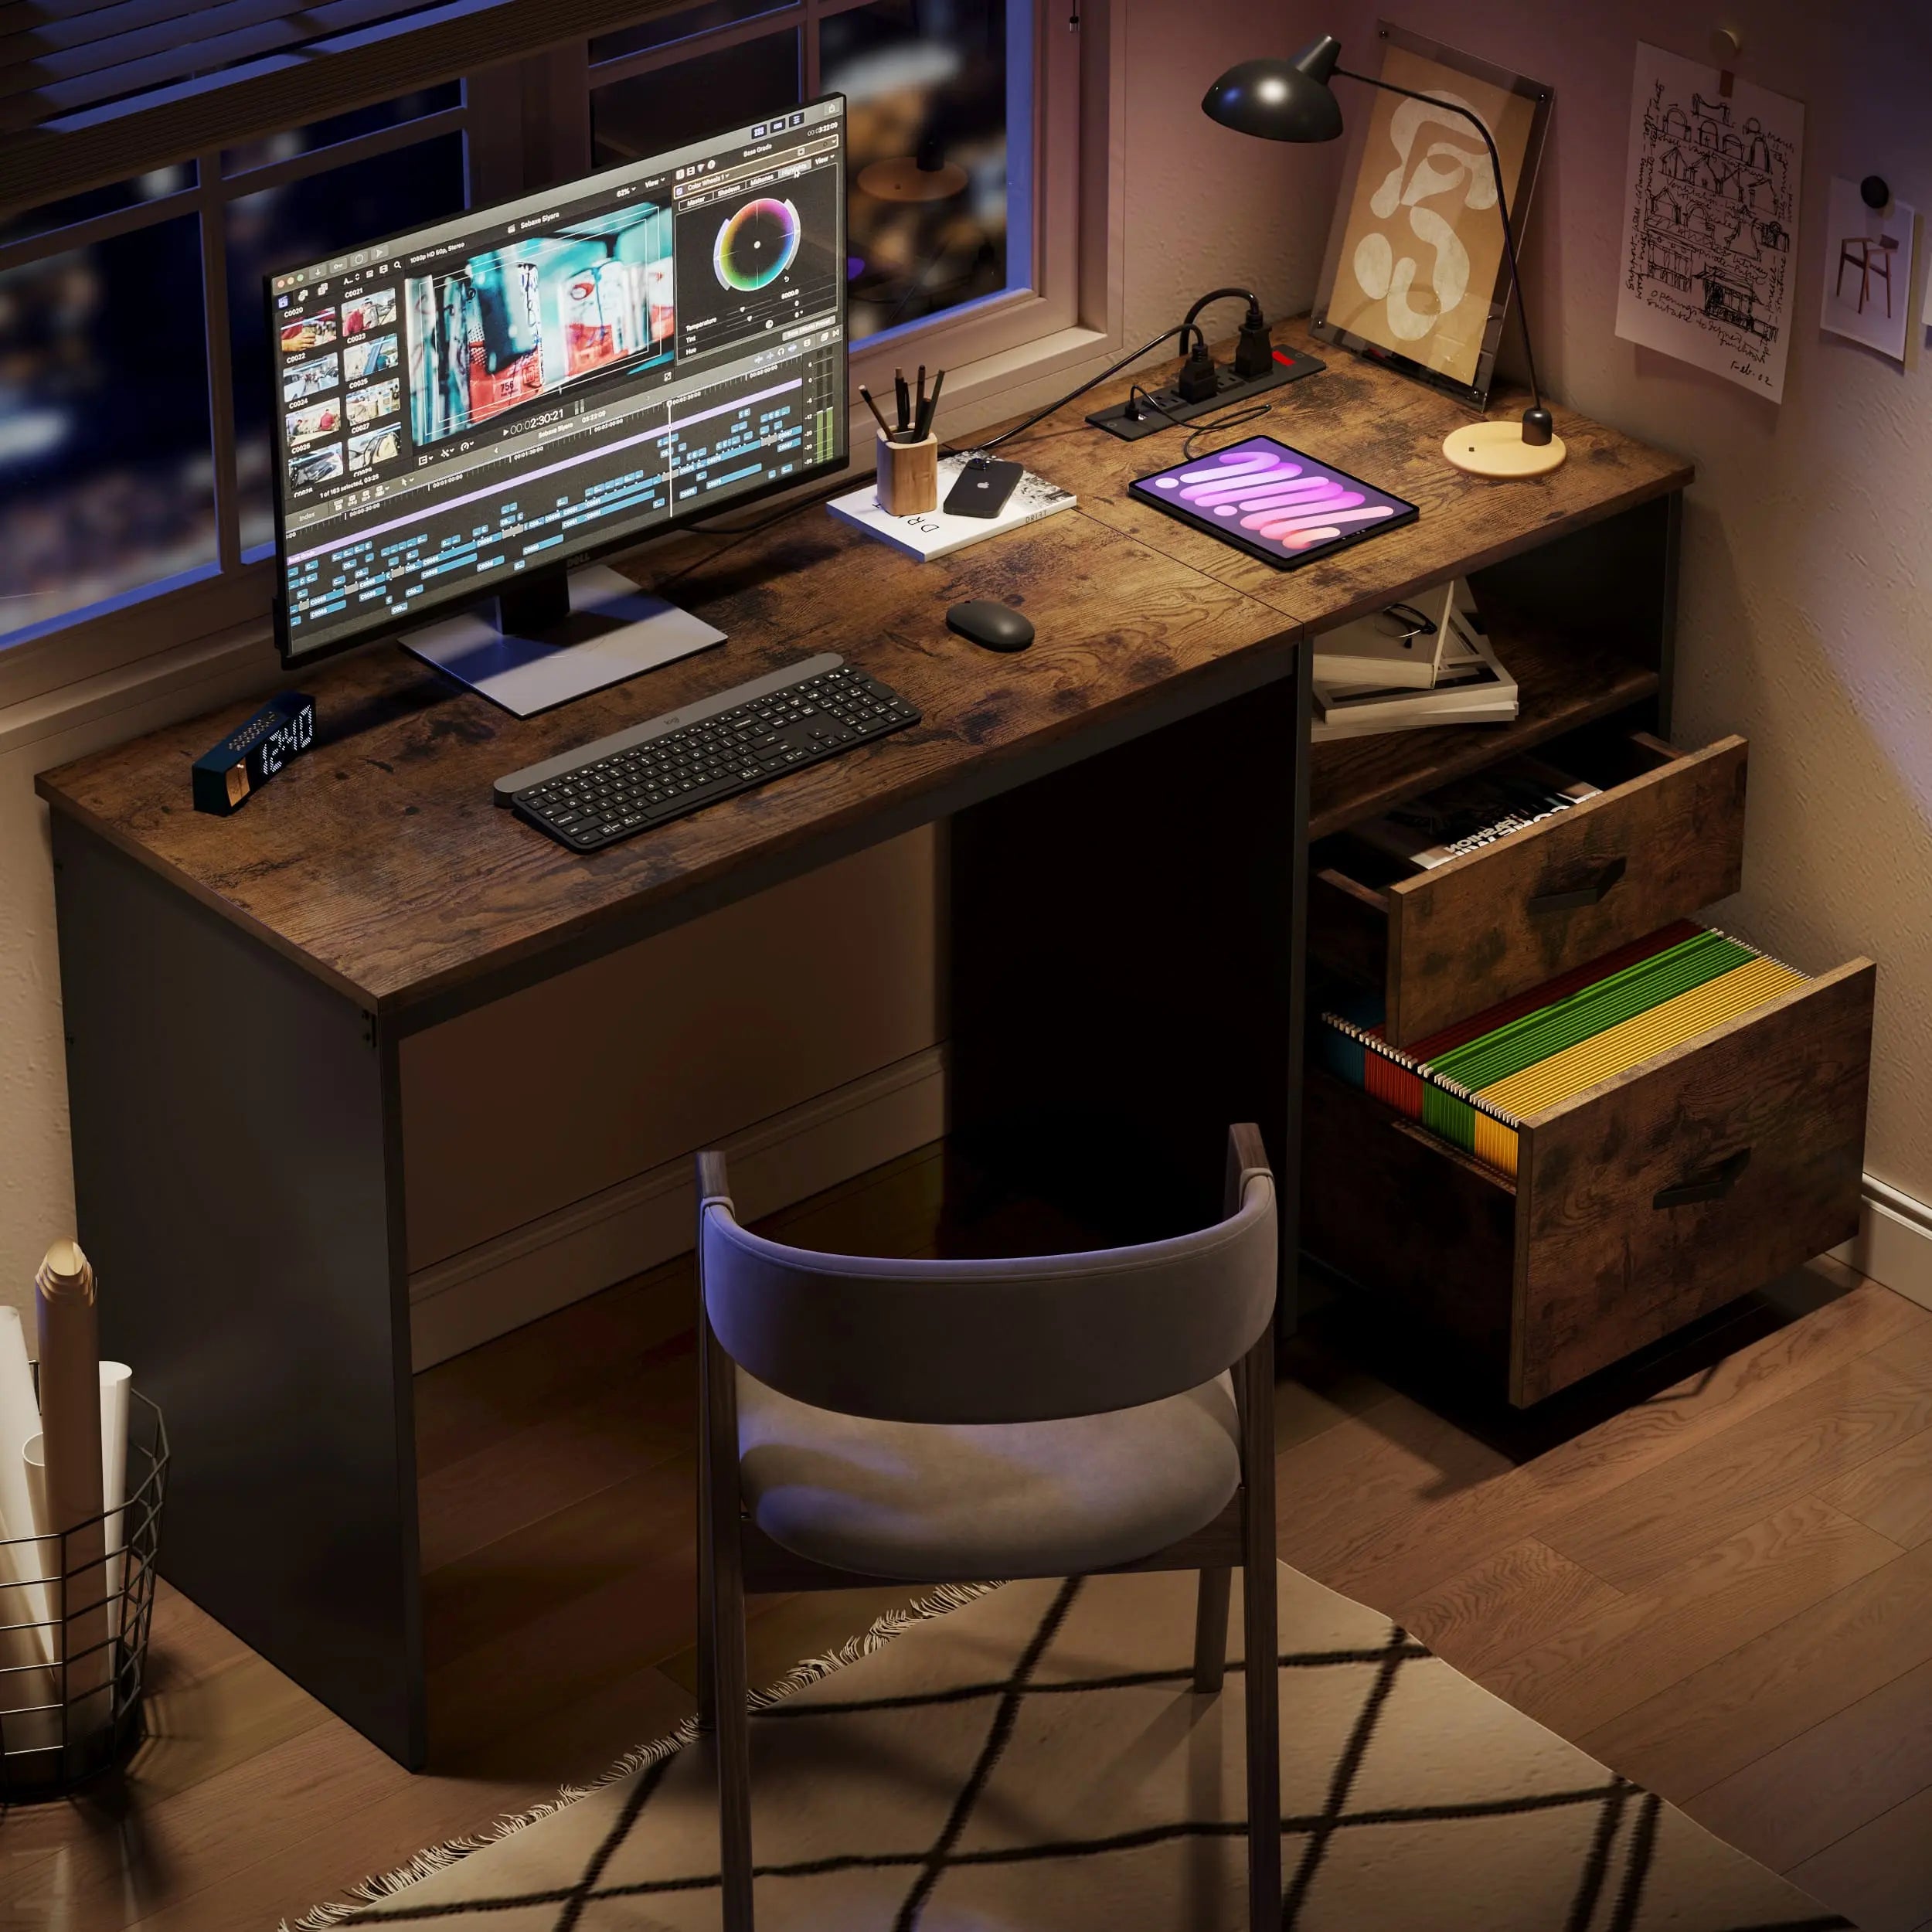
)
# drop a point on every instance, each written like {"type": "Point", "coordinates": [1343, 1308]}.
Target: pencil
{"type": "Point", "coordinates": [865, 397]}
{"type": "Point", "coordinates": [923, 428]}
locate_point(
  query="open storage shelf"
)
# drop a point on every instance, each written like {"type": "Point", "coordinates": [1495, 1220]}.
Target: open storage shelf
{"type": "Point", "coordinates": [1563, 681]}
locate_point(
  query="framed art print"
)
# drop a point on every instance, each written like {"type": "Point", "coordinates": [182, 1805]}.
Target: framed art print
{"type": "Point", "coordinates": [1415, 274]}
{"type": "Point", "coordinates": [1274, 503]}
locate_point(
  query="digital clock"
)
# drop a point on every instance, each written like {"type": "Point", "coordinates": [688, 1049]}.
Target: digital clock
{"type": "Point", "coordinates": [247, 758]}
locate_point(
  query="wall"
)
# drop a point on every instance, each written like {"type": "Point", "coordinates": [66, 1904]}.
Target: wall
{"type": "Point", "coordinates": [1186, 228]}
{"type": "Point", "coordinates": [1803, 620]}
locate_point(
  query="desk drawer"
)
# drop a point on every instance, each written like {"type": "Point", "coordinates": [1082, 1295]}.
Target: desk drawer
{"type": "Point", "coordinates": [1638, 1206]}
{"type": "Point", "coordinates": [1663, 838]}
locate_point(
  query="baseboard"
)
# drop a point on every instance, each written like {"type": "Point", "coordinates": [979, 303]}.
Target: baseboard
{"type": "Point", "coordinates": [1893, 1245]}
{"type": "Point", "coordinates": [534, 1270]}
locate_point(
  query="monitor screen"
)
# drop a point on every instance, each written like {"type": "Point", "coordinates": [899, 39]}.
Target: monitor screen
{"type": "Point", "coordinates": [518, 386]}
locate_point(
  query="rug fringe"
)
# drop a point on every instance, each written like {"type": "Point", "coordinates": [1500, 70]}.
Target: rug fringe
{"type": "Point", "coordinates": [891, 1623]}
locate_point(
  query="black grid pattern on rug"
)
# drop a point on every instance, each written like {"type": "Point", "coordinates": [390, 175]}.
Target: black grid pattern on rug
{"type": "Point", "coordinates": [1606, 1869]}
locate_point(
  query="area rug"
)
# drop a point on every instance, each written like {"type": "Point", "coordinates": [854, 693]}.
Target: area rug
{"type": "Point", "coordinates": [1033, 1759]}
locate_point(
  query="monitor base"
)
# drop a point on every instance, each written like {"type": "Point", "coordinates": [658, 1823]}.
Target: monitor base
{"type": "Point", "coordinates": [613, 631]}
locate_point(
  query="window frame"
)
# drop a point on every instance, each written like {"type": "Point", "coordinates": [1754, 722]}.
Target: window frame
{"type": "Point", "coordinates": [1049, 84]}
{"type": "Point", "coordinates": [527, 122]}
{"type": "Point", "coordinates": [230, 590]}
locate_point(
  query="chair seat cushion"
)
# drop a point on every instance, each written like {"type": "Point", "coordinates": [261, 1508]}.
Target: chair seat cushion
{"type": "Point", "coordinates": [942, 1503]}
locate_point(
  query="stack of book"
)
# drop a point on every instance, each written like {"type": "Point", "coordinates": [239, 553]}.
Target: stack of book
{"type": "Point", "coordinates": [1409, 667]}
{"type": "Point", "coordinates": [1475, 1085]}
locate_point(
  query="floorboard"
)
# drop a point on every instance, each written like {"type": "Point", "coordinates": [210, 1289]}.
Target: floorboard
{"type": "Point", "coordinates": [1828, 1782]}
{"type": "Point", "coordinates": [1722, 1586]}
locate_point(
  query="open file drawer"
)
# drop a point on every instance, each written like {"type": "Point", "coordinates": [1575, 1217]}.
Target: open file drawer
{"type": "Point", "coordinates": [1663, 838]}
{"type": "Point", "coordinates": [1638, 1205]}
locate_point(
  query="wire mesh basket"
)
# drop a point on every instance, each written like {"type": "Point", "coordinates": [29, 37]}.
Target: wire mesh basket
{"type": "Point", "coordinates": [75, 1611]}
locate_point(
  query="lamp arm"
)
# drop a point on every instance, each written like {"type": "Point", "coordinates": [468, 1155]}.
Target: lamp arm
{"type": "Point", "coordinates": [1502, 204]}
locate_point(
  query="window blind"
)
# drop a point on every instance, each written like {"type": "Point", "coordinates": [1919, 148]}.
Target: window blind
{"type": "Point", "coordinates": [91, 92]}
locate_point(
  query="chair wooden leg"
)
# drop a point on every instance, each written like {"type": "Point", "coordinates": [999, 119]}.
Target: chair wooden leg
{"type": "Point", "coordinates": [1264, 1742]}
{"type": "Point", "coordinates": [1255, 1389]}
{"type": "Point", "coordinates": [733, 1735]}
{"type": "Point", "coordinates": [1211, 1630]}
{"type": "Point", "coordinates": [707, 1599]}
{"type": "Point", "coordinates": [722, 1587]}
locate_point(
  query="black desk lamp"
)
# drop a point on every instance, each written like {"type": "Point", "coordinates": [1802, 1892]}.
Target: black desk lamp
{"type": "Point", "coordinates": [1291, 99]}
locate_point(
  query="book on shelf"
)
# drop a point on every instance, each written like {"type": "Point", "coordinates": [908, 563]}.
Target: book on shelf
{"type": "Point", "coordinates": [1471, 688]}
{"type": "Point", "coordinates": [1402, 648]}
{"type": "Point", "coordinates": [1470, 813]}
{"type": "Point", "coordinates": [935, 533]}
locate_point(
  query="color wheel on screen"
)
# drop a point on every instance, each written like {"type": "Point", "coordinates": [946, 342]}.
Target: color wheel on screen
{"type": "Point", "coordinates": [1272, 501]}
{"type": "Point", "coordinates": [756, 245]}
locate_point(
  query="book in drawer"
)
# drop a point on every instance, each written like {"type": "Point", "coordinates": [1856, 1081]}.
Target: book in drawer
{"type": "Point", "coordinates": [1662, 839]}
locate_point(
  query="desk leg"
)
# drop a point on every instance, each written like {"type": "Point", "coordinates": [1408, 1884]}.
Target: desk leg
{"type": "Point", "coordinates": [1126, 971]}
{"type": "Point", "coordinates": [237, 1173]}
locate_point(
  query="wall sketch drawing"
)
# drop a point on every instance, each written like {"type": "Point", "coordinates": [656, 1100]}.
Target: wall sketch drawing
{"type": "Point", "coordinates": [1705, 270]}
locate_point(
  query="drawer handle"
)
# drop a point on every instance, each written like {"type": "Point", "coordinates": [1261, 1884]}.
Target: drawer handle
{"type": "Point", "coordinates": [1713, 1184]}
{"type": "Point", "coordinates": [1592, 893]}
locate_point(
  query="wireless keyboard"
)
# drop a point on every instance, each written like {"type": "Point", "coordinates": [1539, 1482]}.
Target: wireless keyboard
{"type": "Point", "coordinates": [659, 770]}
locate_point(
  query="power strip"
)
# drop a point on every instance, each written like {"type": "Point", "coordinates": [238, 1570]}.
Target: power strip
{"type": "Point", "coordinates": [1290, 366]}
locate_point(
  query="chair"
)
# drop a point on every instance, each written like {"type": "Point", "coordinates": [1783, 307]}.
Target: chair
{"type": "Point", "coordinates": [925, 1422]}
{"type": "Point", "coordinates": [1868, 264]}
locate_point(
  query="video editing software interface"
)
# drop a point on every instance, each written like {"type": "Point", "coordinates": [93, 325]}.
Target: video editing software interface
{"type": "Point", "coordinates": [519, 384]}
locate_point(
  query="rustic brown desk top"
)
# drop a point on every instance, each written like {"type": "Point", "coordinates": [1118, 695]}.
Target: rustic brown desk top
{"type": "Point", "coordinates": [379, 863]}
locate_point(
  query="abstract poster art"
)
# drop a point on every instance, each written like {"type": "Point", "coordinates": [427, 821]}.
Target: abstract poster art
{"type": "Point", "coordinates": [1415, 264]}
{"type": "Point", "coordinates": [1710, 221]}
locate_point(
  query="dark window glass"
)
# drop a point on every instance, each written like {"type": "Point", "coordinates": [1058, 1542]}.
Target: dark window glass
{"type": "Point", "coordinates": [358, 120]}
{"type": "Point", "coordinates": [106, 478]}
{"type": "Point", "coordinates": [665, 27]}
{"type": "Point", "coordinates": [98, 201]}
{"type": "Point", "coordinates": [926, 139]}
{"type": "Point", "coordinates": [652, 112]}
{"type": "Point", "coordinates": [277, 228]}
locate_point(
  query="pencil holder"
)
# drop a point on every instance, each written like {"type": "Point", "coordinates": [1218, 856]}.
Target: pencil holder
{"type": "Point", "coordinates": [909, 477]}
{"type": "Point", "coordinates": [65, 1719]}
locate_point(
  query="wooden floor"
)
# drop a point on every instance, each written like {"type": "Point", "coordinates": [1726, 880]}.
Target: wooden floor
{"type": "Point", "coordinates": [1724, 1590]}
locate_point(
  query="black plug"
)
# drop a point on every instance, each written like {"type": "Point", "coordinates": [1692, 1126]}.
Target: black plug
{"type": "Point", "coordinates": [1199, 381]}
{"type": "Point", "coordinates": [1254, 353]}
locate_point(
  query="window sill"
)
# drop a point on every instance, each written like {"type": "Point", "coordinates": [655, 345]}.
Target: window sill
{"type": "Point", "coordinates": [206, 671]}
{"type": "Point", "coordinates": [182, 679]}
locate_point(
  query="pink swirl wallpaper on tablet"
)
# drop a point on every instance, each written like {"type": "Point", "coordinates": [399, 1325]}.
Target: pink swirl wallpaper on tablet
{"type": "Point", "coordinates": [1269, 498]}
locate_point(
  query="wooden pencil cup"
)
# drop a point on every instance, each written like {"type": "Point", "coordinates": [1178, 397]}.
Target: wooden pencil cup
{"type": "Point", "coordinates": [909, 477]}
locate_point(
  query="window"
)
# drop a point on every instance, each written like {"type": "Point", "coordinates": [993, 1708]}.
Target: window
{"type": "Point", "coordinates": [135, 390]}
{"type": "Point", "coordinates": [943, 143]}
{"type": "Point", "coordinates": [135, 379]}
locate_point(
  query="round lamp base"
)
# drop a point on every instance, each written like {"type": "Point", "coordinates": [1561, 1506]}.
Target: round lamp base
{"type": "Point", "coordinates": [1497, 449]}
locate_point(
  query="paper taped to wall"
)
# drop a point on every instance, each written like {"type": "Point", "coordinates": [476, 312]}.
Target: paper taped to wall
{"type": "Point", "coordinates": [1710, 220]}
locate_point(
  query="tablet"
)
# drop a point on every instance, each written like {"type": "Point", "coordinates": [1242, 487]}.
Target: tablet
{"type": "Point", "coordinates": [1274, 503]}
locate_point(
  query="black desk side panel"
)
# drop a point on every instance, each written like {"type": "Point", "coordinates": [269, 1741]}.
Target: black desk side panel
{"type": "Point", "coordinates": [237, 1171]}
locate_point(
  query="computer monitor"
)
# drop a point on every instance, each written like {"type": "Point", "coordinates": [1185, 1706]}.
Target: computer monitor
{"type": "Point", "coordinates": [472, 408]}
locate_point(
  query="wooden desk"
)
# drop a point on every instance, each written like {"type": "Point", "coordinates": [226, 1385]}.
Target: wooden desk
{"type": "Point", "coordinates": [1129, 805]}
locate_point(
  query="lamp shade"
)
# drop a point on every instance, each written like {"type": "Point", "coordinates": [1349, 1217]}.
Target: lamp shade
{"type": "Point", "coordinates": [1281, 100]}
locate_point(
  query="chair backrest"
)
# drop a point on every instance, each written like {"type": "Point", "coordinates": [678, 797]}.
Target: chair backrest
{"type": "Point", "coordinates": [992, 1341]}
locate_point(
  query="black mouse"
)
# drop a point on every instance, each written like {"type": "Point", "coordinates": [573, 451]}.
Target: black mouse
{"type": "Point", "coordinates": [998, 626]}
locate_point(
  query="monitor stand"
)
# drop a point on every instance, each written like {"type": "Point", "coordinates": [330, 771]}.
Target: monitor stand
{"type": "Point", "coordinates": [558, 634]}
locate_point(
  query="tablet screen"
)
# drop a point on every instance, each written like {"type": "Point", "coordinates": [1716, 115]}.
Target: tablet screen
{"type": "Point", "coordinates": [1273, 502]}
